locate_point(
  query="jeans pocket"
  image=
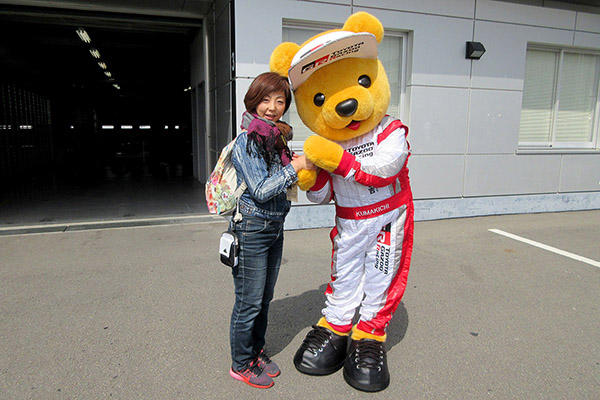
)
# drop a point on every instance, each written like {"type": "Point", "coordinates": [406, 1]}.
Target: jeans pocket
{"type": "Point", "coordinates": [253, 225]}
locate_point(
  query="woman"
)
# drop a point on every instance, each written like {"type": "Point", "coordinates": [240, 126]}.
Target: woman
{"type": "Point", "coordinates": [263, 160]}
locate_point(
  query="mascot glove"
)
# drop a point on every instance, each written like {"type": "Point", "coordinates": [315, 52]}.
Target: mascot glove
{"type": "Point", "coordinates": [306, 179]}
{"type": "Point", "coordinates": [329, 155]}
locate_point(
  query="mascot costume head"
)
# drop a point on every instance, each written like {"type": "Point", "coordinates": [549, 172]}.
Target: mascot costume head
{"type": "Point", "coordinates": [342, 94]}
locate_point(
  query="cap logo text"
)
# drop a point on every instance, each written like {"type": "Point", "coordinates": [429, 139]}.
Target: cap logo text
{"type": "Point", "coordinates": [354, 48]}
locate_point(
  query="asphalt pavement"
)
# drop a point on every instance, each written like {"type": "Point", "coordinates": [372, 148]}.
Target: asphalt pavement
{"type": "Point", "coordinates": [143, 313]}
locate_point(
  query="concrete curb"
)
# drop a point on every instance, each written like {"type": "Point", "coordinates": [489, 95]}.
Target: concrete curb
{"type": "Point", "coordinates": [107, 224]}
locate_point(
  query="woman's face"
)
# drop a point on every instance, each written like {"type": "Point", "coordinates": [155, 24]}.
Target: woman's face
{"type": "Point", "coordinates": [271, 106]}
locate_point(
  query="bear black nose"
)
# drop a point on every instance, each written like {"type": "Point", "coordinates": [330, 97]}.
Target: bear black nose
{"type": "Point", "coordinates": [347, 108]}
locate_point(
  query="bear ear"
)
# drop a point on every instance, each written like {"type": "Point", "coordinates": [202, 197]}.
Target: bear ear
{"type": "Point", "coordinates": [282, 56]}
{"type": "Point", "coordinates": [364, 22]}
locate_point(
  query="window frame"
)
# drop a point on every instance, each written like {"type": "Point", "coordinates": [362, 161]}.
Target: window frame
{"type": "Point", "coordinates": [317, 27]}
{"type": "Point", "coordinates": [552, 145]}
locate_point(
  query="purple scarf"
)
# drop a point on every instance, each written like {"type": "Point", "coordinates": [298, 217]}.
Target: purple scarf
{"type": "Point", "coordinates": [267, 134]}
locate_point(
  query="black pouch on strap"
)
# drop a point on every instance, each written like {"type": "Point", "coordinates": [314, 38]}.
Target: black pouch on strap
{"type": "Point", "coordinates": [229, 248]}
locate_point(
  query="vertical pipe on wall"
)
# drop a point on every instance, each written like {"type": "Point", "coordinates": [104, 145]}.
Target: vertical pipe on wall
{"type": "Point", "coordinates": [233, 73]}
{"type": "Point", "coordinates": [208, 159]}
{"type": "Point", "coordinates": [469, 94]}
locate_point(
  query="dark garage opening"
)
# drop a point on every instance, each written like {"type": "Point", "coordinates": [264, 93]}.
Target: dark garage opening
{"type": "Point", "coordinates": [95, 121]}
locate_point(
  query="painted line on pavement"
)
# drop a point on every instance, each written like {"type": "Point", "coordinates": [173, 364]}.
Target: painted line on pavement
{"type": "Point", "coordinates": [546, 247]}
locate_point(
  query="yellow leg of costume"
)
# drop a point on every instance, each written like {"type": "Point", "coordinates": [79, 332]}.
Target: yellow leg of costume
{"type": "Point", "coordinates": [357, 334]}
{"type": "Point", "coordinates": [323, 323]}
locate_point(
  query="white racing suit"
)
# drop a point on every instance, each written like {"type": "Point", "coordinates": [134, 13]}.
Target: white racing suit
{"type": "Point", "coordinates": [373, 235]}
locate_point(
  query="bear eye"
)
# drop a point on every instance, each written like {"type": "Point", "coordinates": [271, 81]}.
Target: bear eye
{"type": "Point", "coordinates": [364, 80]}
{"type": "Point", "coordinates": [319, 99]}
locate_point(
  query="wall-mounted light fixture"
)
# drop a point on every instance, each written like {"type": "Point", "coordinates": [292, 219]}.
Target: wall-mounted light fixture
{"type": "Point", "coordinates": [474, 50]}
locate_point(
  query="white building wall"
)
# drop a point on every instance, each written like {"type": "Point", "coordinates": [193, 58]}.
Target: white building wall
{"type": "Point", "coordinates": [588, 22]}
{"type": "Point", "coordinates": [463, 115]}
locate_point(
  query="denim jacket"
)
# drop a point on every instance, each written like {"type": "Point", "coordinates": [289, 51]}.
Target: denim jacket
{"type": "Point", "coordinates": [266, 195]}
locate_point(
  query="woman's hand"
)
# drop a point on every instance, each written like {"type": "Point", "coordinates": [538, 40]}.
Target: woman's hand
{"type": "Point", "coordinates": [310, 165]}
{"type": "Point", "coordinates": [301, 162]}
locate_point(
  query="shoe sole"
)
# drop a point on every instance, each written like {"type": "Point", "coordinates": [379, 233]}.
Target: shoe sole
{"type": "Point", "coordinates": [240, 378]}
{"type": "Point", "coordinates": [274, 375]}
{"type": "Point", "coordinates": [365, 388]}
{"type": "Point", "coordinates": [318, 372]}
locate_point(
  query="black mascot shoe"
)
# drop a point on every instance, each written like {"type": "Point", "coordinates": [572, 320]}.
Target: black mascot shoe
{"type": "Point", "coordinates": [322, 352]}
{"type": "Point", "coordinates": [366, 367]}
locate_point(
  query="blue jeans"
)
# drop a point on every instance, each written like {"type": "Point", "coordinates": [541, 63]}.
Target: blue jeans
{"type": "Point", "coordinates": [261, 246]}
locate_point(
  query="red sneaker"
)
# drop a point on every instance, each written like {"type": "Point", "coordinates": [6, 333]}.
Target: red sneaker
{"type": "Point", "coordinates": [268, 365]}
{"type": "Point", "coordinates": [254, 376]}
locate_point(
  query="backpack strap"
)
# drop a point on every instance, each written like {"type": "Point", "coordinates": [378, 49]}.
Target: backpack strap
{"type": "Point", "coordinates": [237, 216]}
{"type": "Point", "coordinates": [240, 190]}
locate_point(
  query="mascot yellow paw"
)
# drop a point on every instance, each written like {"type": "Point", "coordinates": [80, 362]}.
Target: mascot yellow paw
{"type": "Point", "coordinates": [306, 178]}
{"type": "Point", "coordinates": [323, 152]}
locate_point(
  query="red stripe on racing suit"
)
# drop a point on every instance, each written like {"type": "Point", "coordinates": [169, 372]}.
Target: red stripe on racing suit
{"type": "Point", "coordinates": [373, 210]}
{"type": "Point", "coordinates": [322, 179]}
{"type": "Point", "coordinates": [332, 235]}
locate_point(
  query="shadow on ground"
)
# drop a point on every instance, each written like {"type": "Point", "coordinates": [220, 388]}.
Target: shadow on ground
{"type": "Point", "coordinates": [290, 315]}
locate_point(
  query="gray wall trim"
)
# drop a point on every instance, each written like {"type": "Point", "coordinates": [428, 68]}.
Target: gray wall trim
{"type": "Point", "coordinates": [310, 216]}
{"type": "Point", "coordinates": [426, 210]}
{"type": "Point", "coordinates": [305, 217]}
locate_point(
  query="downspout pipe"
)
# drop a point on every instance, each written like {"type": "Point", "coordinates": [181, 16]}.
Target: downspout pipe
{"type": "Point", "coordinates": [208, 159]}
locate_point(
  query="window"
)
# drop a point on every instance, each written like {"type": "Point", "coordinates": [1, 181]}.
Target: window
{"type": "Point", "coordinates": [391, 53]}
{"type": "Point", "coordinates": [560, 99]}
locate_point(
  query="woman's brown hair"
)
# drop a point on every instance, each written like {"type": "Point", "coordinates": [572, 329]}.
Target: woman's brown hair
{"type": "Point", "coordinates": [265, 84]}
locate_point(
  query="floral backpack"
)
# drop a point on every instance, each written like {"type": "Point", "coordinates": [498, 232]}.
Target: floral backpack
{"type": "Point", "coordinates": [222, 191]}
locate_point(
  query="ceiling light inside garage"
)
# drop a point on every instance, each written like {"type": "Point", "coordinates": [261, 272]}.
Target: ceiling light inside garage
{"type": "Point", "coordinates": [83, 35]}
